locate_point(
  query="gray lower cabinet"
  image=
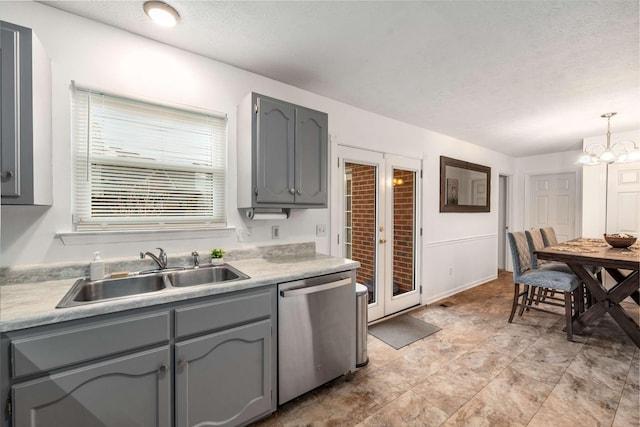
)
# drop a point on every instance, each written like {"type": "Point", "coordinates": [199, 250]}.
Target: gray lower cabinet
{"type": "Point", "coordinates": [207, 361]}
{"type": "Point", "coordinates": [224, 379]}
{"type": "Point", "coordinates": [133, 390]}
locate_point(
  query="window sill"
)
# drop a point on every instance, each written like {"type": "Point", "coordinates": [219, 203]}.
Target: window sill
{"type": "Point", "coordinates": [122, 236]}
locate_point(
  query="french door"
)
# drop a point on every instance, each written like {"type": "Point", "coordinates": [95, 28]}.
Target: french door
{"type": "Point", "coordinates": [379, 226]}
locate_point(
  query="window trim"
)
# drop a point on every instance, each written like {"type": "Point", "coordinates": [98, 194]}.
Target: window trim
{"type": "Point", "coordinates": [75, 238]}
{"type": "Point", "coordinates": [140, 224]}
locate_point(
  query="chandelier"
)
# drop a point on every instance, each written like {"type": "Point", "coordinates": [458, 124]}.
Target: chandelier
{"type": "Point", "coordinates": [619, 152]}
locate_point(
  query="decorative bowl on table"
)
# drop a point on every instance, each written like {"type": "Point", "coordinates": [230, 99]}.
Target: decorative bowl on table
{"type": "Point", "coordinates": [620, 240]}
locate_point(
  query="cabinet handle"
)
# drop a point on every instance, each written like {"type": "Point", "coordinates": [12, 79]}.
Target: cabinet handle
{"type": "Point", "coordinates": [299, 192]}
{"type": "Point", "coordinates": [162, 369]}
{"type": "Point", "coordinates": [292, 190]}
{"type": "Point", "coordinates": [7, 174]}
{"type": "Point", "coordinates": [182, 364]}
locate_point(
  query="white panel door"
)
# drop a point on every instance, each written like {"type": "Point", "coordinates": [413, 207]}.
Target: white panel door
{"type": "Point", "coordinates": [552, 203]}
{"type": "Point", "coordinates": [623, 192]}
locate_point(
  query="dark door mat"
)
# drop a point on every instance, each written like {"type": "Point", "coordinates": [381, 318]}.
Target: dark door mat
{"type": "Point", "coordinates": [402, 330]}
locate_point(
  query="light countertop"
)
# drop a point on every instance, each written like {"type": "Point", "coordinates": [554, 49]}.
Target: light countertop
{"type": "Point", "coordinates": [33, 304]}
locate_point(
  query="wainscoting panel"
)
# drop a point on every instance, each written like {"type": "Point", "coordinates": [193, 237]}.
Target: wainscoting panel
{"type": "Point", "coordinates": [455, 265]}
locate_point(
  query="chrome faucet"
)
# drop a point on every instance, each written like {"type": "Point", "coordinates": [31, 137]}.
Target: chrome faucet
{"type": "Point", "coordinates": [161, 259]}
{"type": "Point", "coordinates": [196, 259]}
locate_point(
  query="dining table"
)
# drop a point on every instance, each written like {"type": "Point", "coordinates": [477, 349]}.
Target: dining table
{"type": "Point", "coordinates": [606, 296]}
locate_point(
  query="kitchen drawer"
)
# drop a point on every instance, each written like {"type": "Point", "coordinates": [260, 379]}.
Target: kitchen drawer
{"type": "Point", "coordinates": [224, 312]}
{"type": "Point", "coordinates": [56, 348]}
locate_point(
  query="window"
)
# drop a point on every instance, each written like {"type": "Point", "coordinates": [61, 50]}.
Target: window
{"type": "Point", "coordinates": [144, 166]}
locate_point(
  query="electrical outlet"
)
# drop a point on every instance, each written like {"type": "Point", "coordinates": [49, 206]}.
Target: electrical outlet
{"type": "Point", "coordinates": [321, 230]}
{"type": "Point", "coordinates": [244, 234]}
{"type": "Point", "coordinates": [275, 231]}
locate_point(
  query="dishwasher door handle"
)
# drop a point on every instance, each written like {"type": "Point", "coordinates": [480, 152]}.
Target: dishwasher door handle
{"type": "Point", "coordinates": [304, 290]}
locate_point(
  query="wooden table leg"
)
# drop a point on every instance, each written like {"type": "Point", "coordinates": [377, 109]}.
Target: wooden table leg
{"type": "Point", "coordinates": [636, 297]}
{"type": "Point", "coordinates": [609, 300]}
{"type": "Point", "coordinates": [628, 325]}
{"type": "Point", "coordinates": [619, 277]}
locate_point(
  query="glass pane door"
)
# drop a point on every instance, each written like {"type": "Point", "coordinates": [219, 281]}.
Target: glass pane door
{"type": "Point", "coordinates": [402, 233]}
{"type": "Point", "coordinates": [379, 226]}
{"type": "Point", "coordinates": [360, 222]}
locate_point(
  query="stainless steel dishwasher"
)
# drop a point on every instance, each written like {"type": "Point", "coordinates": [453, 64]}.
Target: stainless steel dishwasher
{"type": "Point", "coordinates": [316, 332]}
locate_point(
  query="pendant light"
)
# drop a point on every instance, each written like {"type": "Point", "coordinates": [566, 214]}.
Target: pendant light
{"type": "Point", "coordinates": [619, 152]}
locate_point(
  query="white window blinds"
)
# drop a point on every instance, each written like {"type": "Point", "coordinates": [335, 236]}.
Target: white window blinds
{"type": "Point", "coordinates": [139, 165]}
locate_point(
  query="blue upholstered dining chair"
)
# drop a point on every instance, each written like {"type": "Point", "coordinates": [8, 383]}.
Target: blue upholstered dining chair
{"type": "Point", "coordinates": [535, 278]}
{"type": "Point", "coordinates": [536, 242]}
{"type": "Point", "coordinates": [549, 236]}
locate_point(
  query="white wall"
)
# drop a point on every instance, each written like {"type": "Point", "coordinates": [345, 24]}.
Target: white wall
{"type": "Point", "coordinates": [594, 186]}
{"type": "Point", "coordinates": [460, 250]}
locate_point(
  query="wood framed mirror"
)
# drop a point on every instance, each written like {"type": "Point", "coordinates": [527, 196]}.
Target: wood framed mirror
{"type": "Point", "coordinates": [464, 186]}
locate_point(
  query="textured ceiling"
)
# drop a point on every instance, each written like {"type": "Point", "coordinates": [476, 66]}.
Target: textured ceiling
{"type": "Point", "coordinates": [518, 77]}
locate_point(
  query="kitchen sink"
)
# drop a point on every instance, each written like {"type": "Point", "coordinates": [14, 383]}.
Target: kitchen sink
{"type": "Point", "coordinates": [85, 291]}
{"type": "Point", "coordinates": [204, 275]}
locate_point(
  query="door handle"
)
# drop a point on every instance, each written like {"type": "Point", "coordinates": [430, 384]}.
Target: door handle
{"type": "Point", "coordinates": [313, 289]}
{"type": "Point", "coordinates": [383, 240]}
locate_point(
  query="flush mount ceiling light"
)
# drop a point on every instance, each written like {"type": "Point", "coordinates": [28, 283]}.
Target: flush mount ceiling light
{"type": "Point", "coordinates": [161, 13]}
{"type": "Point", "coordinates": [619, 152]}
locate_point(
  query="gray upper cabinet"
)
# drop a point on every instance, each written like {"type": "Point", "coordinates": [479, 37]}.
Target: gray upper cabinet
{"type": "Point", "coordinates": [25, 111]}
{"type": "Point", "coordinates": [275, 149]}
{"type": "Point", "coordinates": [311, 157]}
{"type": "Point", "coordinates": [288, 145]}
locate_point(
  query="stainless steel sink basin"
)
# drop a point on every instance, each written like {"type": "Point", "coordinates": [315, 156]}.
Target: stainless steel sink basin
{"type": "Point", "coordinates": [85, 291]}
{"type": "Point", "coordinates": [210, 274]}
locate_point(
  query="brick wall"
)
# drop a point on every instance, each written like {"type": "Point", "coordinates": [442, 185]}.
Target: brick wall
{"type": "Point", "coordinates": [363, 233]}
{"type": "Point", "coordinates": [403, 230]}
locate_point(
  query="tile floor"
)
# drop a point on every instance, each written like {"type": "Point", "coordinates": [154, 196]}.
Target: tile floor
{"type": "Point", "coordinates": [480, 370]}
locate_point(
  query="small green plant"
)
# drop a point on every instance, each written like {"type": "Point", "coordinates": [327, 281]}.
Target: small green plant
{"type": "Point", "coordinates": [217, 253]}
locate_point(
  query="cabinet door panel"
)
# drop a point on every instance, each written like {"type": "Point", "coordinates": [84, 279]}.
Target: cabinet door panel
{"type": "Point", "coordinates": [224, 378]}
{"type": "Point", "coordinates": [10, 112]}
{"type": "Point", "coordinates": [275, 162]}
{"type": "Point", "coordinates": [129, 391]}
{"type": "Point", "coordinates": [311, 157]}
